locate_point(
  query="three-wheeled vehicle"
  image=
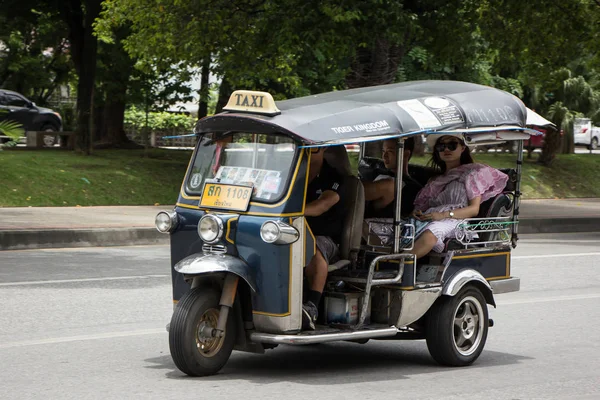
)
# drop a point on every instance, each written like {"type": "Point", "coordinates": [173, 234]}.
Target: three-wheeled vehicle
{"type": "Point", "coordinates": [240, 241]}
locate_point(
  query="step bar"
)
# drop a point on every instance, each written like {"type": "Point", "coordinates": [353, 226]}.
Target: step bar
{"type": "Point", "coordinates": [304, 338]}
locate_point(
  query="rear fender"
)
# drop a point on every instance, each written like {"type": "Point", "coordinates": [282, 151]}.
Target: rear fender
{"type": "Point", "coordinates": [456, 282]}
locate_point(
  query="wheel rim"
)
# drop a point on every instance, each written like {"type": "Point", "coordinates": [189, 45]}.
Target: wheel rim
{"type": "Point", "coordinates": [49, 139]}
{"type": "Point", "coordinates": [468, 326]}
{"type": "Point", "coordinates": [208, 345]}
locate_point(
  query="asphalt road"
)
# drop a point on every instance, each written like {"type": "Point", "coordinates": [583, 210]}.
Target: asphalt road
{"type": "Point", "coordinates": [90, 323]}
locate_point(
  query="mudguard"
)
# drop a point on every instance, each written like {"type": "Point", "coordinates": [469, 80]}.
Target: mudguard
{"type": "Point", "coordinates": [457, 281]}
{"type": "Point", "coordinates": [201, 263]}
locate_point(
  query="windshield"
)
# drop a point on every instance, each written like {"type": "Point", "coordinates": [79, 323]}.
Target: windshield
{"type": "Point", "coordinates": [258, 160]}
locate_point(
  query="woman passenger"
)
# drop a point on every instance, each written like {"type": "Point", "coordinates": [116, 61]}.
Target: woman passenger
{"type": "Point", "coordinates": [453, 196]}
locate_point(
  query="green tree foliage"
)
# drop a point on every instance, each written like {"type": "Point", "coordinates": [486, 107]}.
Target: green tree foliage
{"type": "Point", "coordinates": [34, 56]}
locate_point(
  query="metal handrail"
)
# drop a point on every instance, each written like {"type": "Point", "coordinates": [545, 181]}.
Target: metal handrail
{"type": "Point", "coordinates": [370, 282]}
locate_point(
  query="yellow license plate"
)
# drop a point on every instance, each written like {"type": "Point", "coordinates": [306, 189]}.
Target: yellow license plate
{"type": "Point", "coordinates": [226, 197]}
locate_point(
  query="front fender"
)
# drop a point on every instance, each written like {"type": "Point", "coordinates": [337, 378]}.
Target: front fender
{"type": "Point", "coordinates": [201, 263]}
{"type": "Point", "coordinates": [457, 281]}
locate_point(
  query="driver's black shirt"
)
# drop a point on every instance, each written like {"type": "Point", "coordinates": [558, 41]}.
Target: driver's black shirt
{"type": "Point", "coordinates": [330, 222]}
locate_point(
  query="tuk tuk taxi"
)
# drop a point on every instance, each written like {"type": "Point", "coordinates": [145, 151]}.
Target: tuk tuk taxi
{"type": "Point", "coordinates": [240, 241]}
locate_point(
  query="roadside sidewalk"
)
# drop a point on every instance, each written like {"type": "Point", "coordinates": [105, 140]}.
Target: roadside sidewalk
{"type": "Point", "coordinates": [55, 227]}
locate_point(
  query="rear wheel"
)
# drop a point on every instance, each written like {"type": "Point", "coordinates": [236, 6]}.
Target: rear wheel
{"type": "Point", "coordinates": [50, 139]}
{"type": "Point", "coordinates": [457, 328]}
{"type": "Point", "coordinates": [193, 349]}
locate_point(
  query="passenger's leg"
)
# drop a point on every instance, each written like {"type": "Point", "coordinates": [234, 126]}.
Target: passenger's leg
{"type": "Point", "coordinates": [316, 272]}
{"type": "Point", "coordinates": [424, 244]}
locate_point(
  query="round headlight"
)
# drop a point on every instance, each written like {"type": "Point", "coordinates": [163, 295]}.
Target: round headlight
{"type": "Point", "coordinates": [210, 228]}
{"type": "Point", "coordinates": [165, 221]}
{"type": "Point", "coordinates": [270, 232]}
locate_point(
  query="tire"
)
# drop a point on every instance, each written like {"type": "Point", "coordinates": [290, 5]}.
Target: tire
{"type": "Point", "coordinates": [594, 144]}
{"type": "Point", "coordinates": [458, 342]}
{"type": "Point", "coordinates": [197, 307]}
{"type": "Point", "coordinates": [50, 140]}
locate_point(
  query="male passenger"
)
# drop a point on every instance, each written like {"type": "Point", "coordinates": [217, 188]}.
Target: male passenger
{"type": "Point", "coordinates": [324, 214]}
{"type": "Point", "coordinates": [379, 194]}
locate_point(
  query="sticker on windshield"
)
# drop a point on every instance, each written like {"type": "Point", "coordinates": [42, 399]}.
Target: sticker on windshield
{"type": "Point", "coordinates": [196, 180]}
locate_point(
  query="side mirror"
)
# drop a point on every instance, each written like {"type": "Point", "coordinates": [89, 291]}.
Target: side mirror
{"type": "Point", "coordinates": [31, 104]}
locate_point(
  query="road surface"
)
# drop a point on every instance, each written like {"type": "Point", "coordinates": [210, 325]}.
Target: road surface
{"type": "Point", "coordinates": [90, 323]}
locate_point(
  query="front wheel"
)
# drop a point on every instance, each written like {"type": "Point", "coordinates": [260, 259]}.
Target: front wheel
{"type": "Point", "coordinates": [457, 328]}
{"type": "Point", "coordinates": [594, 144]}
{"type": "Point", "coordinates": [194, 351]}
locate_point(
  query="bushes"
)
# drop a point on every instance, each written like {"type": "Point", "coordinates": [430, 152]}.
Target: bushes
{"type": "Point", "coordinates": [161, 124]}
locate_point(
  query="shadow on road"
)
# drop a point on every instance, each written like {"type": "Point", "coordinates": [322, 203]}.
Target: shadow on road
{"type": "Point", "coordinates": [342, 362]}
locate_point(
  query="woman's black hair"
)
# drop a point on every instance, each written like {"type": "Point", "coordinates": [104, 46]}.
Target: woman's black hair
{"type": "Point", "coordinates": [440, 166]}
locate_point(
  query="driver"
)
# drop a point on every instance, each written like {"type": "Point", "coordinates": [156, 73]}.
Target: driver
{"type": "Point", "coordinates": [324, 212]}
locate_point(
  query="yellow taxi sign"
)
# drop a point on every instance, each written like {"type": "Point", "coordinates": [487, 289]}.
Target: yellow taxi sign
{"type": "Point", "coordinates": [252, 101]}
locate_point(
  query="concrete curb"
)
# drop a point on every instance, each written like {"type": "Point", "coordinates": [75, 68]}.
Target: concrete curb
{"type": "Point", "coordinates": [63, 238]}
{"type": "Point", "coordinates": [559, 225]}
{"type": "Point", "coordinates": [100, 237]}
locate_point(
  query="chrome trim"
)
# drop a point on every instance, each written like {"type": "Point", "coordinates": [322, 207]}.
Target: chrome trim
{"type": "Point", "coordinates": [370, 282]}
{"type": "Point", "coordinates": [415, 303]}
{"type": "Point", "coordinates": [457, 281]}
{"type": "Point", "coordinates": [398, 211]}
{"type": "Point", "coordinates": [501, 225]}
{"type": "Point", "coordinates": [517, 199]}
{"type": "Point", "coordinates": [322, 338]}
{"type": "Point", "coordinates": [219, 222]}
{"type": "Point", "coordinates": [202, 264]}
{"type": "Point", "coordinates": [287, 234]}
{"type": "Point", "coordinates": [173, 218]}
{"type": "Point", "coordinates": [214, 248]}
{"type": "Point", "coordinates": [506, 285]}
{"type": "Point", "coordinates": [460, 279]}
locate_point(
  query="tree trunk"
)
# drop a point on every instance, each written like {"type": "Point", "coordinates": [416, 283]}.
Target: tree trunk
{"type": "Point", "coordinates": [114, 118]}
{"type": "Point", "coordinates": [225, 91]}
{"type": "Point", "coordinates": [84, 47]}
{"type": "Point", "coordinates": [551, 146]}
{"type": "Point", "coordinates": [204, 92]}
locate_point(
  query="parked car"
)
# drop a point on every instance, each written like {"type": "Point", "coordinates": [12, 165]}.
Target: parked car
{"type": "Point", "coordinates": [585, 134]}
{"type": "Point", "coordinates": [18, 108]}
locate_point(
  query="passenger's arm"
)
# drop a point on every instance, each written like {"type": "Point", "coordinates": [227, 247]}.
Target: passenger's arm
{"type": "Point", "coordinates": [469, 211]}
{"type": "Point", "coordinates": [317, 207]}
{"type": "Point", "coordinates": [381, 192]}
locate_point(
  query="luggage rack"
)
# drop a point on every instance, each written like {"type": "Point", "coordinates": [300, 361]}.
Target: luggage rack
{"type": "Point", "coordinates": [497, 228]}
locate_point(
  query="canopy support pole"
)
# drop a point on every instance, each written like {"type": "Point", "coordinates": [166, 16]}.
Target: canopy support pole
{"type": "Point", "coordinates": [517, 200]}
{"type": "Point", "coordinates": [398, 193]}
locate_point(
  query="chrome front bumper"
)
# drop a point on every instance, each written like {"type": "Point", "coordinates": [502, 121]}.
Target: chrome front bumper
{"type": "Point", "coordinates": [506, 285]}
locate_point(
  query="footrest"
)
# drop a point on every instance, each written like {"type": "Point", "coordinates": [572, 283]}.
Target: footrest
{"type": "Point", "coordinates": [362, 274]}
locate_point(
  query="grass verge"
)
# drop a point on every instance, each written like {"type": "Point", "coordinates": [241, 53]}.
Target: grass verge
{"type": "Point", "coordinates": [129, 177]}
{"type": "Point", "coordinates": [108, 177]}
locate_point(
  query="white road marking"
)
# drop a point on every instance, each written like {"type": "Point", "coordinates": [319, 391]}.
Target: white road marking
{"type": "Point", "coordinates": [556, 255]}
{"type": "Point", "coordinates": [66, 339]}
{"type": "Point", "coordinates": [110, 278]}
{"type": "Point", "coordinates": [111, 335]}
{"type": "Point", "coordinates": [550, 299]}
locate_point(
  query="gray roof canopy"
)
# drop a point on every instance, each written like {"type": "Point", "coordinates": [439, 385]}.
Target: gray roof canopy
{"type": "Point", "coordinates": [370, 113]}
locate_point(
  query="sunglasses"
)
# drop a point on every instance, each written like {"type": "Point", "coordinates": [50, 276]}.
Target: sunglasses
{"type": "Point", "coordinates": [450, 145]}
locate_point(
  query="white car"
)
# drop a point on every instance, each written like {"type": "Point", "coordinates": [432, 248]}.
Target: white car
{"type": "Point", "coordinates": [585, 134]}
